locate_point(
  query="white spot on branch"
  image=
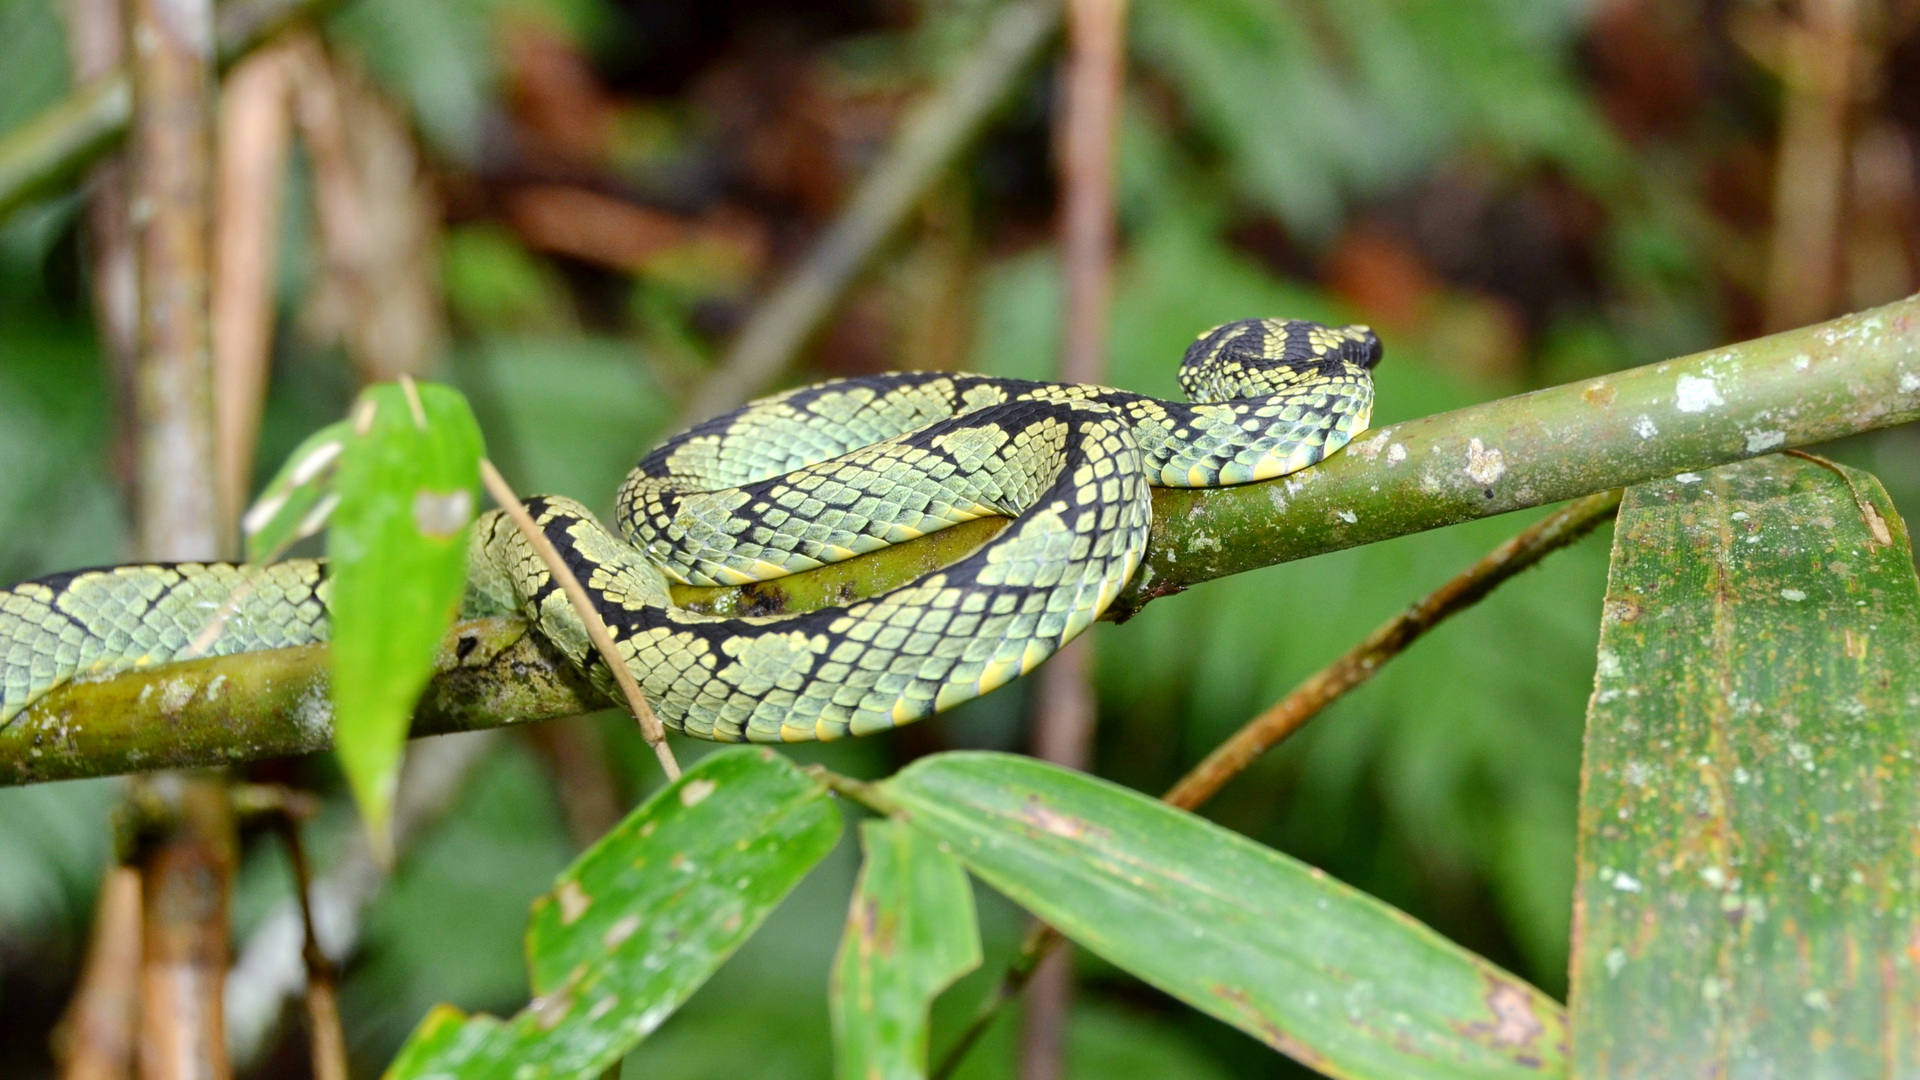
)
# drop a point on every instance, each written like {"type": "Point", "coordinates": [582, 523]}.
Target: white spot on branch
{"type": "Point", "coordinates": [1485, 465]}
{"type": "Point", "coordinates": [1694, 394]}
{"type": "Point", "coordinates": [1764, 440]}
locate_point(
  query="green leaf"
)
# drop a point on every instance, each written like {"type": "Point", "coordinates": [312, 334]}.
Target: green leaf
{"type": "Point", "coordinates": [910, 934]}
{"type": "Point", "coordinates": [1312, 967]}
{"type": "Point", "coordinates": [1750, 812]}
{"type": "Point", "coordinates": [300, 498]}
{"type": "Point", "coordinates": [408, 480]}
{"type": "Point", "coordinates": [634, 927]}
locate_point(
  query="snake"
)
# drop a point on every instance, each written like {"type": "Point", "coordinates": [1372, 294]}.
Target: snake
{"type": "Point", "coordinates": [798, 480]}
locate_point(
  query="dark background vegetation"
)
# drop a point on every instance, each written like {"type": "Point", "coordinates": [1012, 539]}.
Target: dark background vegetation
{"type": "Point", "coordinates": [1516, 193]}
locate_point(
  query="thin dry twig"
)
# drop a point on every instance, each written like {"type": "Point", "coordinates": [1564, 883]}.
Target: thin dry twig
{"type": "Point", "coordinates": [269, 969]}
{"type": "Point", "coordinates": [930, 140]}
{"type": "Point", "coordinates": [329, 1041]}
{"type": "Point", "coordinates": [1287, 716]}
{"type": "Point", "coordinates": [650, 726]}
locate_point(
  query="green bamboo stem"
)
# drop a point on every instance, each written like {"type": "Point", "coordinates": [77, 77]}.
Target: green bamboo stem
{"type": "Point", "coordinates": [1806, 386]}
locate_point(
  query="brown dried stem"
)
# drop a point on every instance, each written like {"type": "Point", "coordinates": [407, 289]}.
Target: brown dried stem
{"type": "Point", "coordinates": [173, 143]}
{"type": "Point", "coordinates": [1326, 686]}
{"type": "Point", "coordinates": [254, 135]}
{"type": "Point", "coordinates": [1821, 60]}
{"type": "Point", "coordinates": [185, 877]}
{"type": "Point", "coordinates": [650, 726]}
{"type": "Point", "coordinates": [329, 1041]}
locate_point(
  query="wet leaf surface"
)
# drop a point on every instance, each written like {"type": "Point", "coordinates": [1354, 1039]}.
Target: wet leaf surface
{"type": "Point", "coordinates": [1750, 813]}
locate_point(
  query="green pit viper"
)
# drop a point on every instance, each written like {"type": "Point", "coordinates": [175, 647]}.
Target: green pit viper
{"type": "Point", "coordinates": [790, 482]}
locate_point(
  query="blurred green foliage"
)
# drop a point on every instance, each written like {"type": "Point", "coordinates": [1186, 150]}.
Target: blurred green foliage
{"type": "Point", "coordinates": [1267, 147]}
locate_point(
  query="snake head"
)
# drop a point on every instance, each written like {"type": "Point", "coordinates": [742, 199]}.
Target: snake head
{"type": "Point", "coordinates": [1253, 357]}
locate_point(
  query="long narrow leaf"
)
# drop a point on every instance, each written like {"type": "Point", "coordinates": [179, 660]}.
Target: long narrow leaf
{"type": "Point", "coordinates": [1321, 971]}
{"type": "Point", "coordinates": [634, 927]}
{"type": "Point", "coordinates": [910, 933]}
{"type": "Point", "coordinates": [1750, 815]}
{"type": "Point", "coordinates": [407, 479]}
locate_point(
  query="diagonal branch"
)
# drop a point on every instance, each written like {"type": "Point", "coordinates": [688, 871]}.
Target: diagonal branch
{"type": "Point", "coordinates": [1799, 388]}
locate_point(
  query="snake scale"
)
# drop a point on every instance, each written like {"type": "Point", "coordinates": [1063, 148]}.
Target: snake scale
{"type": "Point", "coordinates": [790, 482]}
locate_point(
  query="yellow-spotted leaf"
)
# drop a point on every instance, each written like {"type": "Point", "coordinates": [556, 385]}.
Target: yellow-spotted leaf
{"type": "Point", "coordinates": [634, 927]}
{"type": "Point", "coordinates": [1318, 970]}
{"type": "Point", "coordinates": [910, 933]}
{"type": "Point", "coordinates": [1748, 899]}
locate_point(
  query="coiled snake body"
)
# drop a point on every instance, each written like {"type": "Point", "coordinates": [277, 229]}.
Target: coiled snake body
{"type": "Point", "coordinates": [805, 478]}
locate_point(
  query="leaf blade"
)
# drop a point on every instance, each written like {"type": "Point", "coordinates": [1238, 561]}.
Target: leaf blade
{"type": "Point", "coordinates": [408, 480]}
{"type": "Point", "coordinates": [1357, 989]}
{"type": "Point", "coordinates": [910, 933]}
{"type": "Point", "coordinates": [640, 921]}
{"type": "Point", "coordinates": [1750, 810]}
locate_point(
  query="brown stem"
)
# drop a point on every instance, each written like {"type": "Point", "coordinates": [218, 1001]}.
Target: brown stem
{"type": "Point", "coordinates": [95, 1037]}
{"type": "Point", "coordinates": [1309, 699]}
{"type": "Point", "coordinates": [1811, 176]}
{"type": "Point", "coordinates": [172, 140]}
{"type": "Point", "coordinates": [185, 877]}
{"type": "Point", "coordinates": [269, 969]}
{"type": "Point", "coordinates": [186, 871]}
{"type": "Point", "coordinates": [329, 1041]}
{"type": "Point", "coordinates": [650, 727]}
{"type": "Point", "coordinates": [254, 137]}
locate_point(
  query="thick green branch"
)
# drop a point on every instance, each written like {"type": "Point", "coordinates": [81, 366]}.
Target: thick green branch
{"type": "Point", "coordinates": [1806, 386]}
